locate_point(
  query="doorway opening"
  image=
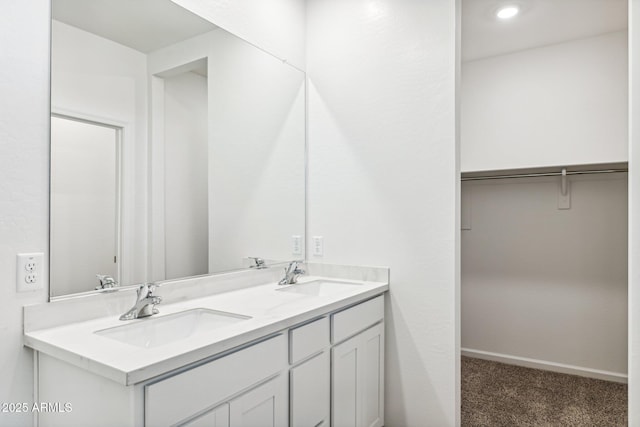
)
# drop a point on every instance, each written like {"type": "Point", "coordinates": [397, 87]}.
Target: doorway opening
{"type": "Point", "coordinates": [85, 203]}
{"type": "Point", "coordinates": [180, 171]}
{"type": "Point", "coordinates": [544, 160]}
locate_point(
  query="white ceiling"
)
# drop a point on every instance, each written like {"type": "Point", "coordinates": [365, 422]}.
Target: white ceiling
{"type": "Point", "coordinates": [147, 25]}
{"type": "Point", "coordinates": [541, 23]}
{"type": "Point", "coordinates": [144, 25]}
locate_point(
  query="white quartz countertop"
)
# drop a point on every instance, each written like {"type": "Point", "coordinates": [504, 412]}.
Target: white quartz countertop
{"type": "Point", "coordinates": [271, 310]}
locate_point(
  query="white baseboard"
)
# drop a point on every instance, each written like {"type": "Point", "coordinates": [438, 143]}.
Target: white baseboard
{"type": "Point", "coordinates": [545, 365]}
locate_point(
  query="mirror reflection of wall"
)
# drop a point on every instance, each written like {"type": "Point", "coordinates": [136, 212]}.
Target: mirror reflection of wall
{"type": "Point", "coordinates": [212, 139]}
{"type": "Point", "coordinates": [84, 202]}
{"type": "Point", "coordinates": [185, 169]}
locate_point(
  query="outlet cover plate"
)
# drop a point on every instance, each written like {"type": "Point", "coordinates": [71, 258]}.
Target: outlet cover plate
{"type": "Point", "coordinates": [29, 272]}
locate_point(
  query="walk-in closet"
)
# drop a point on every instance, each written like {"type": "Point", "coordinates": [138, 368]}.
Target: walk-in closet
{"type": "Point", "coordinates": [544, 212]}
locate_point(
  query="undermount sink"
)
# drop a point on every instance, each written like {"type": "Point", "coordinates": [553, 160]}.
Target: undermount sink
{"type": "Point", "coordinates": [319, 287]}
{"type": "Point", "coordinates": [156, 331]}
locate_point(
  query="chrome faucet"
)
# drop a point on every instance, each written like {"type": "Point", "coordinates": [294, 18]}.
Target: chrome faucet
{"type": "Point", "coordinates": [258, 263]}
{"type": "Point", "coordinates": [145, 303]}
{"type": "Point", "coordinates": [106, 282]}
{"type": "Point", "coordinates": [291, 274]}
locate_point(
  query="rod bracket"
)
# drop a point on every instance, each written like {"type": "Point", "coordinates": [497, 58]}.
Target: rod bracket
{"type": "Point", "coordinates": [563, 182]}
{"type": "Point", "coordinates": [564, 197]}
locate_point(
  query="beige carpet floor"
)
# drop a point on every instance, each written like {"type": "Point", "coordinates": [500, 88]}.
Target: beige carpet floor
{"type": "Point", "coordinates": [495, 394]}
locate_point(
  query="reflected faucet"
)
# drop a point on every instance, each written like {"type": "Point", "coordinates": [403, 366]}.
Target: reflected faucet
{"type": "Point", "coordinates": [145, 303]}
{"type": "Point", "coordinates": [258, 263]}
{"type": "Point", "coordinates": [106, 282]}
{"type": "Point", "coordinates": [291, 274]}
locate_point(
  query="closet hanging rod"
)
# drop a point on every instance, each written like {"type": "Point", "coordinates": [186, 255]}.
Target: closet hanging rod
{"type": "Point", "coordinates": [537, 174]}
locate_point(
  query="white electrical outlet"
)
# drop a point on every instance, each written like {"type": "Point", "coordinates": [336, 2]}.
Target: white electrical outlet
{"type": "Point", "coordinates": [29, 275]}
{"type": "Point", "coordinates": [318, 246]}
{"type": "Point", "coordinates": [296, 245]}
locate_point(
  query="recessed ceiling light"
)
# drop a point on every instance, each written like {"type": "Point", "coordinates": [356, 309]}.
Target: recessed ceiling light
{"type": "Point", "coordinates": [507, 12]}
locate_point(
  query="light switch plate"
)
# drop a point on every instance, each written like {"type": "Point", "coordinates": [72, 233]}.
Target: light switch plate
{"type": "Point", "coordinates": [296, 245]}
{"type": "Point", "coordinates": [318, 245]}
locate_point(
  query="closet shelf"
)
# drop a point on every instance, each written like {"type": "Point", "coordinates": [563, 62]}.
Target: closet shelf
{"type": "Point", "coordinates": [599, 168]}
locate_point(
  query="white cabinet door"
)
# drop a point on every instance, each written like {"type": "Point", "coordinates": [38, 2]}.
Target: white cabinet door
{"type": "Point", "coordinates": [263, 406]}
{"type": "Point", "coordinates": [309, 392]}
{"type": "Point", "coordinates": [358, 380]}
{"type": "Point", "coordinates": [371, 377]}
{"type": "Point", "coordinates": [344, 379]}
{"type": "Point", "coordinates": [218, 417]}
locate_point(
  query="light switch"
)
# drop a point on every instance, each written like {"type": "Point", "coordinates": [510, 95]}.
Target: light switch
{"type": "Point", "coordinates": [318, 245]}
{"type": "Point", "coordinates": [296, 245]}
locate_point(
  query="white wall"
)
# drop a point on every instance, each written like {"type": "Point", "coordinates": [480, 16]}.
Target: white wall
{"type": "Point", "coordinates": [186, 180]}
{"type": "Point", "coordinates": [634, 209]}
{"type": "Point", "coordinates": [24, 182]}
{"type": "Point", "coordinates": [162, 64]}
{"type": "Point", "coordinates": [543, 283]}
{"type": "Point", "coordinates": [256, 155]}
{"type": "Point", "coordinates": [95, 78]}
{"type": "Point", "coordinates": [256, 187]}
{"type": "Point", "coordinates": [383, 179]}
{"type": "Point", "coordinates": [276, 26]}
{"type": "Point", "coordinates": [563, 104]}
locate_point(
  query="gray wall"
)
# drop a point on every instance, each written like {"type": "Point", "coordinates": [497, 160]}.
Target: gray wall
{"type": "Point", "coordinates": [543, 283]}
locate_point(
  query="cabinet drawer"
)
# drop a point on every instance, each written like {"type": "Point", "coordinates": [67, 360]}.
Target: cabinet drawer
{"type": "Point", "coordinates": [308, 339]}
{"type": "Point", "coordinates": [357, 318]}
{"type": "Point", "coordinates": [172, 400]}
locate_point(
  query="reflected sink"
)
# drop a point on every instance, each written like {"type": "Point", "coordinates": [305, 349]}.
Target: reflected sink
{"type": "Point", "coordinates": [319, 287]}
{"type": "Point", "coordinates": [157, 331]}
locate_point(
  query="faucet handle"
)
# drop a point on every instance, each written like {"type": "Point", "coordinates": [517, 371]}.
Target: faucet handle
{"type": "Point", "coordinates": [294, 264]}
{"type": "Point", "coordinates": [155, 299]}
{"type": "Point", "coordinates": [145, 290]}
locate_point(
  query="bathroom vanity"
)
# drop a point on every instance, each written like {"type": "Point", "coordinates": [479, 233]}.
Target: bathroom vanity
{"type": "Point", "coordinates": [233, 349]}
{"type": "Point", "coordinates": [227, 349]}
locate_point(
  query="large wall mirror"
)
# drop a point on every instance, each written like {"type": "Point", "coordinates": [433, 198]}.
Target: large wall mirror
{"type": "Point", "coordinates": [177, 148]}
